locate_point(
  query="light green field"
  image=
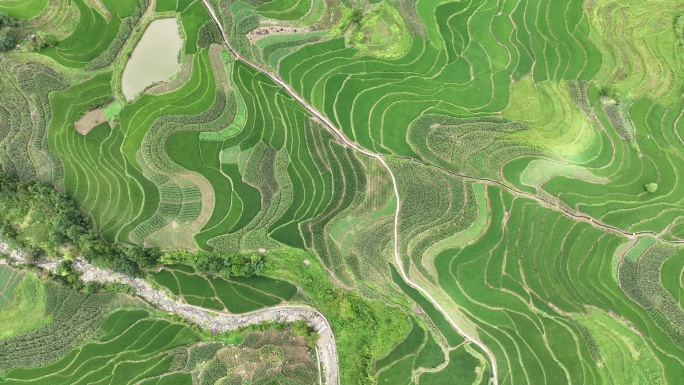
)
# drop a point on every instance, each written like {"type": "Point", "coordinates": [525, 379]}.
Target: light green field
{"type": "Point", "coordinates": [24, 304]}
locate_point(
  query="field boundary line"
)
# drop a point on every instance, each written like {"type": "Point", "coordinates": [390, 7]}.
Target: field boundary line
{"type": "Point", "coordinates": [204, 318]}
{"type": "Point", "coordinates": [338, 133]}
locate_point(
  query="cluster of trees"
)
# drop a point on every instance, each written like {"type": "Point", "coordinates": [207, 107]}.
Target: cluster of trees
{"type": "Point", "coordinates": [208, 34]}
{"type": "Point", "coordinates": [10, 32]}
{"type": "Point", "coordinates": [369, 328]}
{"type": "Point", "coordinates": [14, 31]}
{"type": "Point", "coordinates": [678, 25]}
{"type": "Point", "coordinates": [301, 328]}
{"type": "Point", "coordinates": [43, 221]}
{"type": "Point", "coordinates": [224, 264]}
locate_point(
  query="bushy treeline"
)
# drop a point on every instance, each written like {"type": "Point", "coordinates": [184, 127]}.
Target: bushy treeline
{"type": "Point", "coordinates": [10, 32]}
{"type": "Point", "coordinates": [224, 264]}
{"type": "Point", "coordinates": [43, 221]}
{"type": "Point", "coordinates": [208, 34]}
{"type": "Point", "coordinates": [14, 32]}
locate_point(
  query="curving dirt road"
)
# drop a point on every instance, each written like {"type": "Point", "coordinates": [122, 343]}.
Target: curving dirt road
{"type": "Point", "coordinates": [208, 319]}
{"type": "Point", "coordinates": [340, 135]}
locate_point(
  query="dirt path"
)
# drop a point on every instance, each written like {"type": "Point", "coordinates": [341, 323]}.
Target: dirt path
{"type": "Point", "coordinates": [338, 133]}
{"type": "Point", "coordinates": [576, 216]}
{"type": "Point", "coordinates": [207, 319]}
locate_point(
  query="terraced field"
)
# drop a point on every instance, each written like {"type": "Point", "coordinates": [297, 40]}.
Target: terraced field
{"type": "Point", "coordinates": [8, 281]}
{"type": "Point", "coordinates": [235, 295]}
{"type": "Point", "coordinates": [112, 338]}
{"type": "Point", "coordinates": [502, 174]}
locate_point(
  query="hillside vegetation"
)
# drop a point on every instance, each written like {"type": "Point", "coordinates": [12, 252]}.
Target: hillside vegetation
{"type": "Point", "coordinates": [479, 191]}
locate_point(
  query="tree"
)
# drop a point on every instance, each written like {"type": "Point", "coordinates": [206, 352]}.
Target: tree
{"type": "Point", "coordinates": [7, 42]}
{"type": "Point", "coordinates": [356, 16]}
{"type": "Point", "coordinates": [40, 40]}
{"type": "Point", "coordinates": [7, 20]}
{"type": "Point", "coordinates": [651, 187]}
{"type": "Point", "coordinates": [144, 257]}
{"type": "Point", "coordinates": [300, 328]}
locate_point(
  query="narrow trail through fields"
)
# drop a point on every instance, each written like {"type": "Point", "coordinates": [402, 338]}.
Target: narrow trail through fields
{"type": "Point", "coordinates": [580, 217]}
{"type": "Point", "coordinates": [215, 321]}
{"type": "Point", "coordinates": [338, 133]}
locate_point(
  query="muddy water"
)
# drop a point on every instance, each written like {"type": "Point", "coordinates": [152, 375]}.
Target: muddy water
{"type": "Point", "coordinates": [154, 59]}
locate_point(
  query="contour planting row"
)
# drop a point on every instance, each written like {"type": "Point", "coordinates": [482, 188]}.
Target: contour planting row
{"type": "Point", "coordinates": [132, 346]}
{"type": "Point", "coordinates": [321, 178]}
{"type": "Point", "coordinates": [261, 358]}
{"type": "Point", "coordinates": [640, 44]}
{"type": "Point", "coordinates": [236, 295]}
{"type": "Point", "coordinates": [23, 9]}
{"type": "Point", "coordinates": [97, 37]}
{"type": "Point", "coordinates": [9, 278]}
{"type": "Point", "coordinates": [466, 69]}
{"type": "Point", "coordinates": [99, 178]}
{"type": "Point", "coordinates": [417, 350]}
{"type": "Point", "coordinates": [110, 338]}
{"type": "Point", "coordinates": [647, 150]}
{"type": "Point", "coordinates": [24, 113]}
{"type": "Point", "coordinates": [434, 206]}
{"type": "Point", "coordinates": [524, 294]}
{"type": "Point", "coordinates": [60, 17]}
{"type": "Point", "coordinates": [73, 319]}
{"type": "Point", "coordinates": [101, 169]}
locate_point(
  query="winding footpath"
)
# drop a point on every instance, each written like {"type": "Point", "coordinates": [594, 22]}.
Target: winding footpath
{"type": "Point", "coordinates": [343, 139]}
{"type": "Point", "coordinates": [576, 216]}
{"type": "Point", "coordinates": [207, 319]}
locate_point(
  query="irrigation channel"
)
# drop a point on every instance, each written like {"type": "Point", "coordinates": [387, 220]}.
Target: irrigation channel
{"type": "Point", "coordinates": [343, 139]}
{"type": "Point", "coordinates": [215, 321]}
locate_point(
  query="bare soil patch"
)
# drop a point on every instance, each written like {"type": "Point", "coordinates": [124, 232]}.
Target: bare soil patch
{"type": "Point", "coordinates": [89, 120]}
{"type": "Point", "coordinates": [260, 32]}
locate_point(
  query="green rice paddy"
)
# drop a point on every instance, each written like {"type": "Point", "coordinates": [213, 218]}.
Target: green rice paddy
{"type": "Point", "coordinates": [536, 148]}
{"type": "Point", "coordinates": [235, 295]}
{"type": "Point", "coordinates": [111, 338]}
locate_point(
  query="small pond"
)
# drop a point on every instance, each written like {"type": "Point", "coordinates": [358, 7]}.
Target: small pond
{"type": "Point", "coordinates": [154, 59]}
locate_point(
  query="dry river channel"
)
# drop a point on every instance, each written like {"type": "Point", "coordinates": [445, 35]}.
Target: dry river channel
{"type": "Point", "coordinates": [206, 319]}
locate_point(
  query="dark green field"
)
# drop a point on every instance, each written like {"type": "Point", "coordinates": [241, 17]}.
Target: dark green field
{"type": "Point", "coordinates": [235, 295]}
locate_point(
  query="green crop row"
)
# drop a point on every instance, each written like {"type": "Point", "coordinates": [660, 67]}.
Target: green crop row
{"type": "Point", "coordinates": [9, 279]}
{"type": "Point", "coordinates": [235, 294]}
{"type": "Point", "coordinates": [74, 319]}
{"type": "Point", "coordinates": [285, 9]}
{"type": "Point", "coordinates": [24, 113]}
{"type": "Point", "coordinates": [623, 201]}
{"type": "Point", "coordinates": [95, 38]}
{"type": "Point", "coordinates": [107, 57]}
{"type": "Point", "coordinates": [434, 206]}
{"type": "Point", "coordinates": [417, 350]}
{"type": "Point", "coordinates": [243, 18]}
{"type": "Point", "coordinates": [641, 281]}
{"type": "Point", "coordinates": [510, 275]}
{"type": "Point", "coordinates": [108, 338]}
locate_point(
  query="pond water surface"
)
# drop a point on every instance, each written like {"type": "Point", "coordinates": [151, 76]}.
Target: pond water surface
{"type": "Point", "coordinates": [154, 59]}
